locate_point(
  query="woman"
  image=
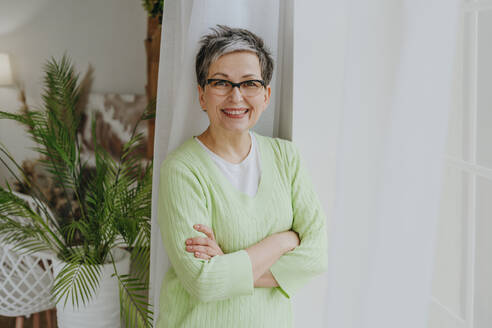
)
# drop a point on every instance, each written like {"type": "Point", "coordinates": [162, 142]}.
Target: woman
{"type": "Point", "coordinates": [240, 220]}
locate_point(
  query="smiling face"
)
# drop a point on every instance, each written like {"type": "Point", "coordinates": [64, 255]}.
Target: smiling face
{"type": "Point", "coordinates": [224, 111]}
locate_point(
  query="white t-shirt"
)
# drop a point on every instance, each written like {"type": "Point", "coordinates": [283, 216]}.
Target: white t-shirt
{"type": "Point", "coordinates": [245, 176]}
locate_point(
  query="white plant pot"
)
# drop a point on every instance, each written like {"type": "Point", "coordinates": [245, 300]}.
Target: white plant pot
{"type": "Point", "coordinates": [103, 310]}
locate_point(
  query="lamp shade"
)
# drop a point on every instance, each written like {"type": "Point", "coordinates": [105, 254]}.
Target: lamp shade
{"type": "Point", "coordinates": [5, 70]}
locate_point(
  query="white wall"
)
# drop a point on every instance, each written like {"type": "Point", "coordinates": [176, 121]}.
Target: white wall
{"type": "Point", "coordinates": [108, 34]}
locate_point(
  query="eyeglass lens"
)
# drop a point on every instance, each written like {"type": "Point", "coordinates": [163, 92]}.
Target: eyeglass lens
{"type": "Point", "coordinates": [247, 88]}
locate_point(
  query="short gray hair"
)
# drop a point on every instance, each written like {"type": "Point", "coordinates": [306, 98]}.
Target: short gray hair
{"type": "Point", "coordinates": [224, 40]}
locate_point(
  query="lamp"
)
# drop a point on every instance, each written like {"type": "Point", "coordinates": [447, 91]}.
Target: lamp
{"type": "Point", "coordinates": [5, 70]}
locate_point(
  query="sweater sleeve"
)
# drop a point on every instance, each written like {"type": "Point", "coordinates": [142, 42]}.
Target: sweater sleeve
{"type": "Point", "coordinates": [182, 204]}
{"type": "Point", "coordinates": [295, 268]}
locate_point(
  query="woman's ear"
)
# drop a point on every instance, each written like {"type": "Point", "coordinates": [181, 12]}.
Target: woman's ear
{"type": "Point", "coordinates": [268, 93]}
{"type": "Point", "coordinates": [201, 97]}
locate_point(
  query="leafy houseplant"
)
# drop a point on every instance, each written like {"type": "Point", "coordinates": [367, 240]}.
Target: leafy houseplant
{"type": "Point", "coordinates": [107, 206]}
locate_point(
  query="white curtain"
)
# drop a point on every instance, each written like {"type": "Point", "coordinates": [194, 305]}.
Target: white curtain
{"type": "Point", "coordinates": [396, 99]}
{"type": "Point", "coordinates": [178, 112]}
{"type": "Point", "coordinates": [364, 91]}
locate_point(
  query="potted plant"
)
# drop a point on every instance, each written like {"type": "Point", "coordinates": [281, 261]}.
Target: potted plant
{"type": "Point", "coordinates": [106, 213]}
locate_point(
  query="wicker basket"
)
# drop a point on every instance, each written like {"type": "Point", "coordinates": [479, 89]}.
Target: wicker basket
{"type": "Point", "coordinates": [25, 280]}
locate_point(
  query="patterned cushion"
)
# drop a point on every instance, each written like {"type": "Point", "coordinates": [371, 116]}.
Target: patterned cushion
{"type": "Point", "coordinates": [116, 116]}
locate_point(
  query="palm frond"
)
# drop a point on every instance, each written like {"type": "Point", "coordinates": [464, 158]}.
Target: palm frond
{"type": "Point", "coordinates": [78, 280]}
{"type": "Point", "coordinates": [25, 228]}
{"type": "Point", "coordinates": [133, 306]}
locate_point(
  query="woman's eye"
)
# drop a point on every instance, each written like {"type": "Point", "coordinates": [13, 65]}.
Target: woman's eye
{"type": "Point", "coordinates": [219, 84]}
{"type": "Point", "coordinates": [250, 84]}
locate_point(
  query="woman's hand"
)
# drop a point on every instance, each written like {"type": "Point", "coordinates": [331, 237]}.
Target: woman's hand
{"type": "Point", "coordinates": [202, 247]}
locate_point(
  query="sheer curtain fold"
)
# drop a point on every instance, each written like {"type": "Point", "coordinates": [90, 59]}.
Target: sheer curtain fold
{"type": "Point", "coordinates": [397, 97]}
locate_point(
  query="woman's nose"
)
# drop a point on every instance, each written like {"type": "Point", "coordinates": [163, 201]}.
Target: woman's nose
{"type": "Point", "coordinates": [236, 94]}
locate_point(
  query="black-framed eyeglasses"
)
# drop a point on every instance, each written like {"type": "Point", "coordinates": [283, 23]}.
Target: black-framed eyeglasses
{"type": "Point", "coordinates": [248, 88]}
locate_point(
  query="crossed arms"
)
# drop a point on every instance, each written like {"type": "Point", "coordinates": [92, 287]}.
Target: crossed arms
{"type": "Point", "coordinates": [287, 260]}
{"type": "Point", "coordinates": [262, 254]}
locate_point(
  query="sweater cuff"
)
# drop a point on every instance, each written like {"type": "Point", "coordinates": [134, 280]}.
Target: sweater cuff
{"type": "Point", "coordinates": [287, 281]}
{"type": "Point", "coordinates": [241, 273]}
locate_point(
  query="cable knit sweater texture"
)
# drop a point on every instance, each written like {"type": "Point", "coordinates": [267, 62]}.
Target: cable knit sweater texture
{"type": "Point", "coordinates": [220, 292]}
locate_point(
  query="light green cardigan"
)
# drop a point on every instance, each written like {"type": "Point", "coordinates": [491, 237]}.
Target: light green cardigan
{"type": "Point", "coordinates": [219, 292]}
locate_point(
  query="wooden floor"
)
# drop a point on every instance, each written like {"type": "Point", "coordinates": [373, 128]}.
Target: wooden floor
{"type": "Point", "coordinates": [9, 322]}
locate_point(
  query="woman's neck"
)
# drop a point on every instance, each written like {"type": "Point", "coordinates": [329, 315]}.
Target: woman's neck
{"type": "Point", "coordinates": [233, 147]}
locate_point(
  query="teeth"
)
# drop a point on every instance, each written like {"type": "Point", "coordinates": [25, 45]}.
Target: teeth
{"type": "Point", "coordinates": [236, 112]}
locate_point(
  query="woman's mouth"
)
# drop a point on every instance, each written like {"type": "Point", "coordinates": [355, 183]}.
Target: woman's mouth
{"type": "Point", "coordinates": [235, 113]}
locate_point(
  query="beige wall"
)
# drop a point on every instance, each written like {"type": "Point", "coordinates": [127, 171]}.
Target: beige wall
{"type": "Point", "coordinates": [108, 34]}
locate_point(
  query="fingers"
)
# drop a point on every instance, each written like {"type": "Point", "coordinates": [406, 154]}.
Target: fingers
{"type": "Point", "coordinates": [204, 242]}
{"type": "Point", "coordinates": [202, 250]}
{"type": "Point", "coordinates": [202, 256]}
{"type": "Point", "coordinates": [206, 230]}
{"type": "Point", "coordinates": [199, 241]}
{"type": "Point", "coordinates": [203, 247]}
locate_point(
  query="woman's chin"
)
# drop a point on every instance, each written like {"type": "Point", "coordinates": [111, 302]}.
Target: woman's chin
{"type": "Point", "coordinates": [236, 128]}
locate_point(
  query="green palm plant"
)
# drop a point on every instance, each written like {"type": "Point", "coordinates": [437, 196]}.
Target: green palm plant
{"type": "Point", "coordinates": [107, 205]}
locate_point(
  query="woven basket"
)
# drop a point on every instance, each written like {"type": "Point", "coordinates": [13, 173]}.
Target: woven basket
{"type": "Point", "coordinates": [25, 283]}
{"type": "Point", "coordinates": [25, 280]}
